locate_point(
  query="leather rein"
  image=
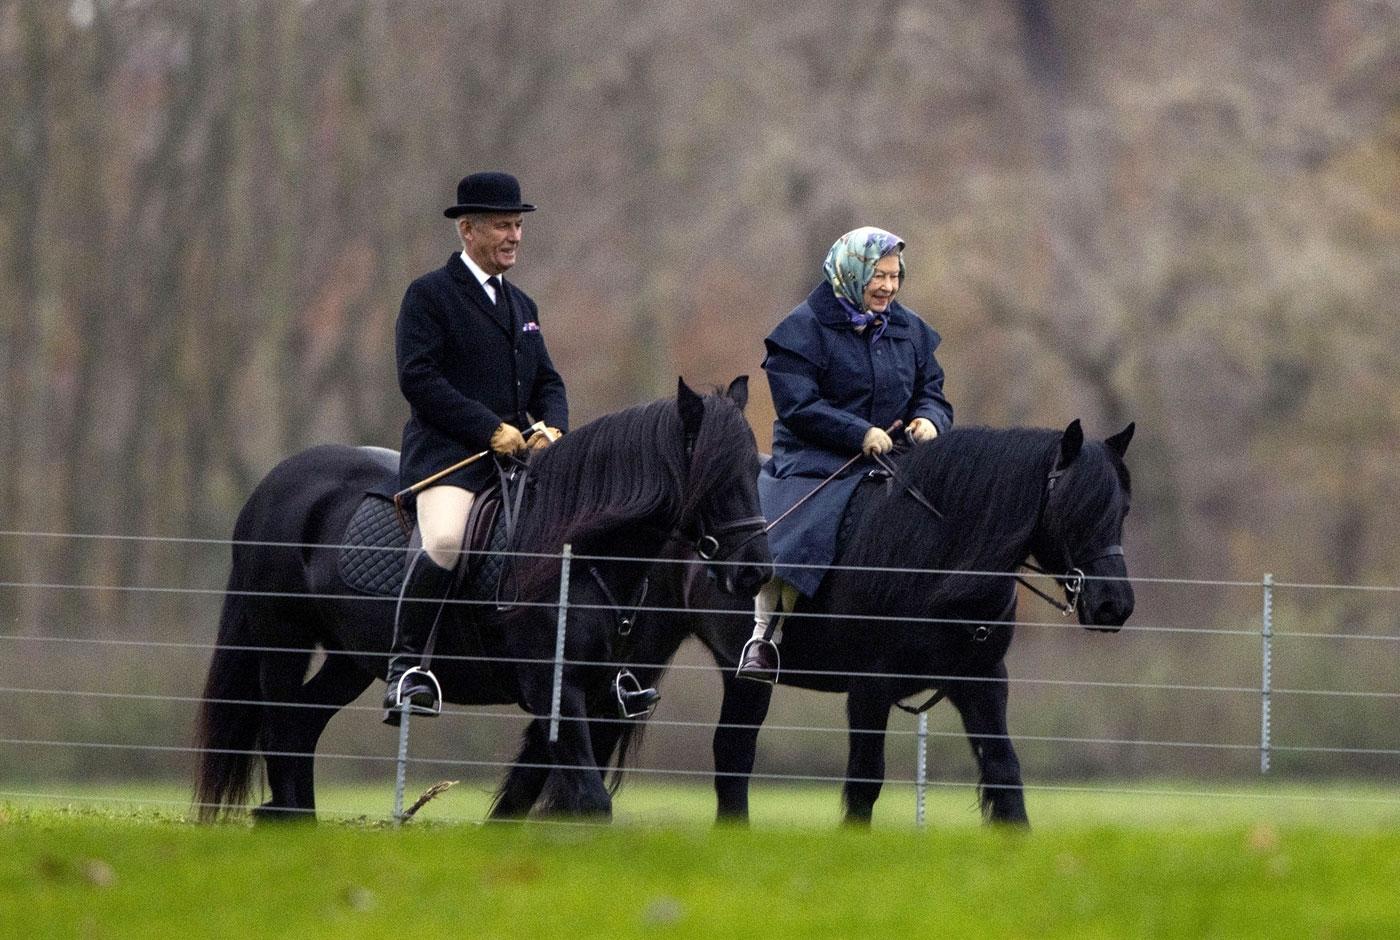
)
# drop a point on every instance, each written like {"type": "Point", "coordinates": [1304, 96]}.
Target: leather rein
{"type": "Point", "coordinates": [766, 527]}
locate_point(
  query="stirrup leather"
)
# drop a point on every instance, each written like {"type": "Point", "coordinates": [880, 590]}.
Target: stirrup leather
{"type": "Point", "coordinates": [418, 709]}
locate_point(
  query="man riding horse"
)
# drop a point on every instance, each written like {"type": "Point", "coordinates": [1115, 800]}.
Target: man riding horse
{"type": "Point", "coordinates": [473, 365]}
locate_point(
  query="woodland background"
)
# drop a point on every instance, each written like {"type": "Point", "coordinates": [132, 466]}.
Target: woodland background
{"type": "Point", "coordinates": [1184, 214]}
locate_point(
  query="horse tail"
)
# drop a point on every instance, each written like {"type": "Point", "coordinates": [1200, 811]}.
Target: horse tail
{"type": "Point", "coordinates": [627, 743]}
{"type": "Point", "coordinates": [230, 714]}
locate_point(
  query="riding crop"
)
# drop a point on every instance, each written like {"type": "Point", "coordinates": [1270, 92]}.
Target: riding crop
{"type": "Point", "coordinates": [537, 428]}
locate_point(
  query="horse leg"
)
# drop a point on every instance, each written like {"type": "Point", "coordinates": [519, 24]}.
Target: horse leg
{"type": "Point", "coordinates": [581, 791]}
{"type": "Point", "coordinates": [743, 710]}
{"type": "Point", "coordinates": [868, 715]}
{"type": "Point", "coordinates": [294, 717]}
{"type": "Point", "coordinates": [574, 759]}
{"type": "Point", "coordinates": [336, 684]}
{"type": "Point", "coordinates": [531, 772]}
{"type": "Point", "coordinates": [279, 675]}
{"type": "Point", "coordinates": [528, 775]}
{"type": "Point", "coordinates": [982, 706]}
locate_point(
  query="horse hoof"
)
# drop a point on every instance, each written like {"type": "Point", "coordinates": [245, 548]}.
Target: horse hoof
{"type": "Point", "coordinates": [268, 813]}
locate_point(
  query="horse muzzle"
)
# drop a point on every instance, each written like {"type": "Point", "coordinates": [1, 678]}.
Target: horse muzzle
{"type": "Point", "coordinates": [742, 580]}
{"type": "Point", "coordinates": [1106, 606]}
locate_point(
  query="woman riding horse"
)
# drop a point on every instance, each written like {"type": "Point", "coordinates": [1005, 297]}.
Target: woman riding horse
{"type": "Point", "coordinates": [941, 598]}
{"type": "Point", "coordinates": [847, 363]}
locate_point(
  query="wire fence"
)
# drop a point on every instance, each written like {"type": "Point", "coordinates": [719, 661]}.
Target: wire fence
{"type": "Point", "coordinates": [1262, 691]}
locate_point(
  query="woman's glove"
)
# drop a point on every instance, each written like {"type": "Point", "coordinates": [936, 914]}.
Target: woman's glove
{"type": "Point", "coordinates": [922, 430]}
{"type": "Point", "coordinates": [507, 440]}
{"type": "Point", "coordinates": [876, 441]}
{"type": "Point", "coordinates": [544, 437]}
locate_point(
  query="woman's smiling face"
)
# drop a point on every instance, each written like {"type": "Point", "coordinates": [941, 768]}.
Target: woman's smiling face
{"type": "Point", "coordinates": [884, 284]}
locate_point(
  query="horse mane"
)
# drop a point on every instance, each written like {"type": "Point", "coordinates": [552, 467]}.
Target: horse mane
{"type": "Point", "coordinates": [618, 471]}
{"type": "Point", "coordinates": [989, 484]}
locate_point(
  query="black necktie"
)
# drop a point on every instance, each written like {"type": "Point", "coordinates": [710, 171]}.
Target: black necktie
{"type": "Point", "coordinates": [495, 283]}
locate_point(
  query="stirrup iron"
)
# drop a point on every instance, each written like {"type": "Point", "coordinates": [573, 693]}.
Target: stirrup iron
{"type": "Point", "coordinates": [770, 678]}
{"type": "Point", "coordinates": [633, 701]}
{"type": "Point", "coordinates": [418, 709]}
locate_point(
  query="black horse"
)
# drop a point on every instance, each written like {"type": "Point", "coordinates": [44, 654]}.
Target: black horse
{"type": "Point", "coordinates": [622, 488]}
{"type": "Point", "coordinates": [996, 498]}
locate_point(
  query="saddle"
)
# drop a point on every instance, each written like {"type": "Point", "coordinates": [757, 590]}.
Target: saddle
{"type": "Point", "coordinates": [374, 550]}
{"type": "Point", "coordinates": [874, 482]}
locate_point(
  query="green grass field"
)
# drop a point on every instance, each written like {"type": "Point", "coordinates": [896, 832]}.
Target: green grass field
{"type": "Point", "coordinates": [1158, 860]}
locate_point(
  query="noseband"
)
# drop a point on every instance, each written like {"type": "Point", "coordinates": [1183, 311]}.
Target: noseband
{"type": "Point", "coordinates": [707, 543]}
{"type": "Point", "coordinates": [1072, 580]}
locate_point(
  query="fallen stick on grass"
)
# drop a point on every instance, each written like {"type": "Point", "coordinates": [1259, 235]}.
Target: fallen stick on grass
{"type": "Point", "coordinates": [433, 791]}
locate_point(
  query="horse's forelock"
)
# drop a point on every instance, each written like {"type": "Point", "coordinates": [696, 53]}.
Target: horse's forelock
{"type": "Point", "coordinates": [718, 456]}
{"type": "Point", "coordinates": [1093, 495]}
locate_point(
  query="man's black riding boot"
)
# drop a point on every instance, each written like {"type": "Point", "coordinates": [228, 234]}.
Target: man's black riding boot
{"type": "Point", "coordinates": [420, 602]}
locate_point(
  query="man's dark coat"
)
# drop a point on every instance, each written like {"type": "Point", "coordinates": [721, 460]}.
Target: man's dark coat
{"type": "Point", "coordinates": [466, 365]}
{"type": "Point", "coordinates": [830, 384]}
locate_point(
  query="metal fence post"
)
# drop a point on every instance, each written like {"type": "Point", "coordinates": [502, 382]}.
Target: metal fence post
{"type": "Point", "coordinates": [559, 643]}
{"type": "Point", "coordinates": [921, 771]}
{"type": "Point", "coordinates": [401, 767]}
{"type": "Point", "coordinates": [1266, 678]}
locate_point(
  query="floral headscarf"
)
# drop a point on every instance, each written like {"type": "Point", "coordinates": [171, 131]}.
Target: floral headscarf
{"type": "Point", "coordinates": [850, 264]}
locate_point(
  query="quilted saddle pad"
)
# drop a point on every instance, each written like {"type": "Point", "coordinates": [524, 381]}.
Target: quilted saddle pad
{"type": "Point", "coordinates": [374, 556]}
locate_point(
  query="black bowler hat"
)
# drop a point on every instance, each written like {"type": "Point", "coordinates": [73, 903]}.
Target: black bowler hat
{"type": "Point", "coordinates": [488, 192]}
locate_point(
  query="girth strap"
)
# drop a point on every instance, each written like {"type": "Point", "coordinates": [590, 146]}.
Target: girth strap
{"type": "Point", "coordinates": [511, 505]}
{"type": "Point", "coordinates": [979, 635]}
{"type": "Point", "coordinates": [937, 696]}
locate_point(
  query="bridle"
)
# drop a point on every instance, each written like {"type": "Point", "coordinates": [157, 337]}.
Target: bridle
{"type": "Point", "coordinates": [1072, 581]}
{"type": "Point", "coordinates": [705, 541]}
{"type": "Point", "coordinates": [707, 544]}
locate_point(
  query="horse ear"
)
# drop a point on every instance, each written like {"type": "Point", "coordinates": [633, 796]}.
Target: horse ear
{"type": "Point", "coordinates": [738, 391]}
{"type": "Point", "coordinates": [1070, 443]}
{"type": "Point", "coordinates": [1120, 441]}
{"type": "Point", "coordinates": [692, 407]}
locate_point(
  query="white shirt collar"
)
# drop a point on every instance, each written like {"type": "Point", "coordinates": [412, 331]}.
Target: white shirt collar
{"type": "Point", "coordinates": [480, 275]}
